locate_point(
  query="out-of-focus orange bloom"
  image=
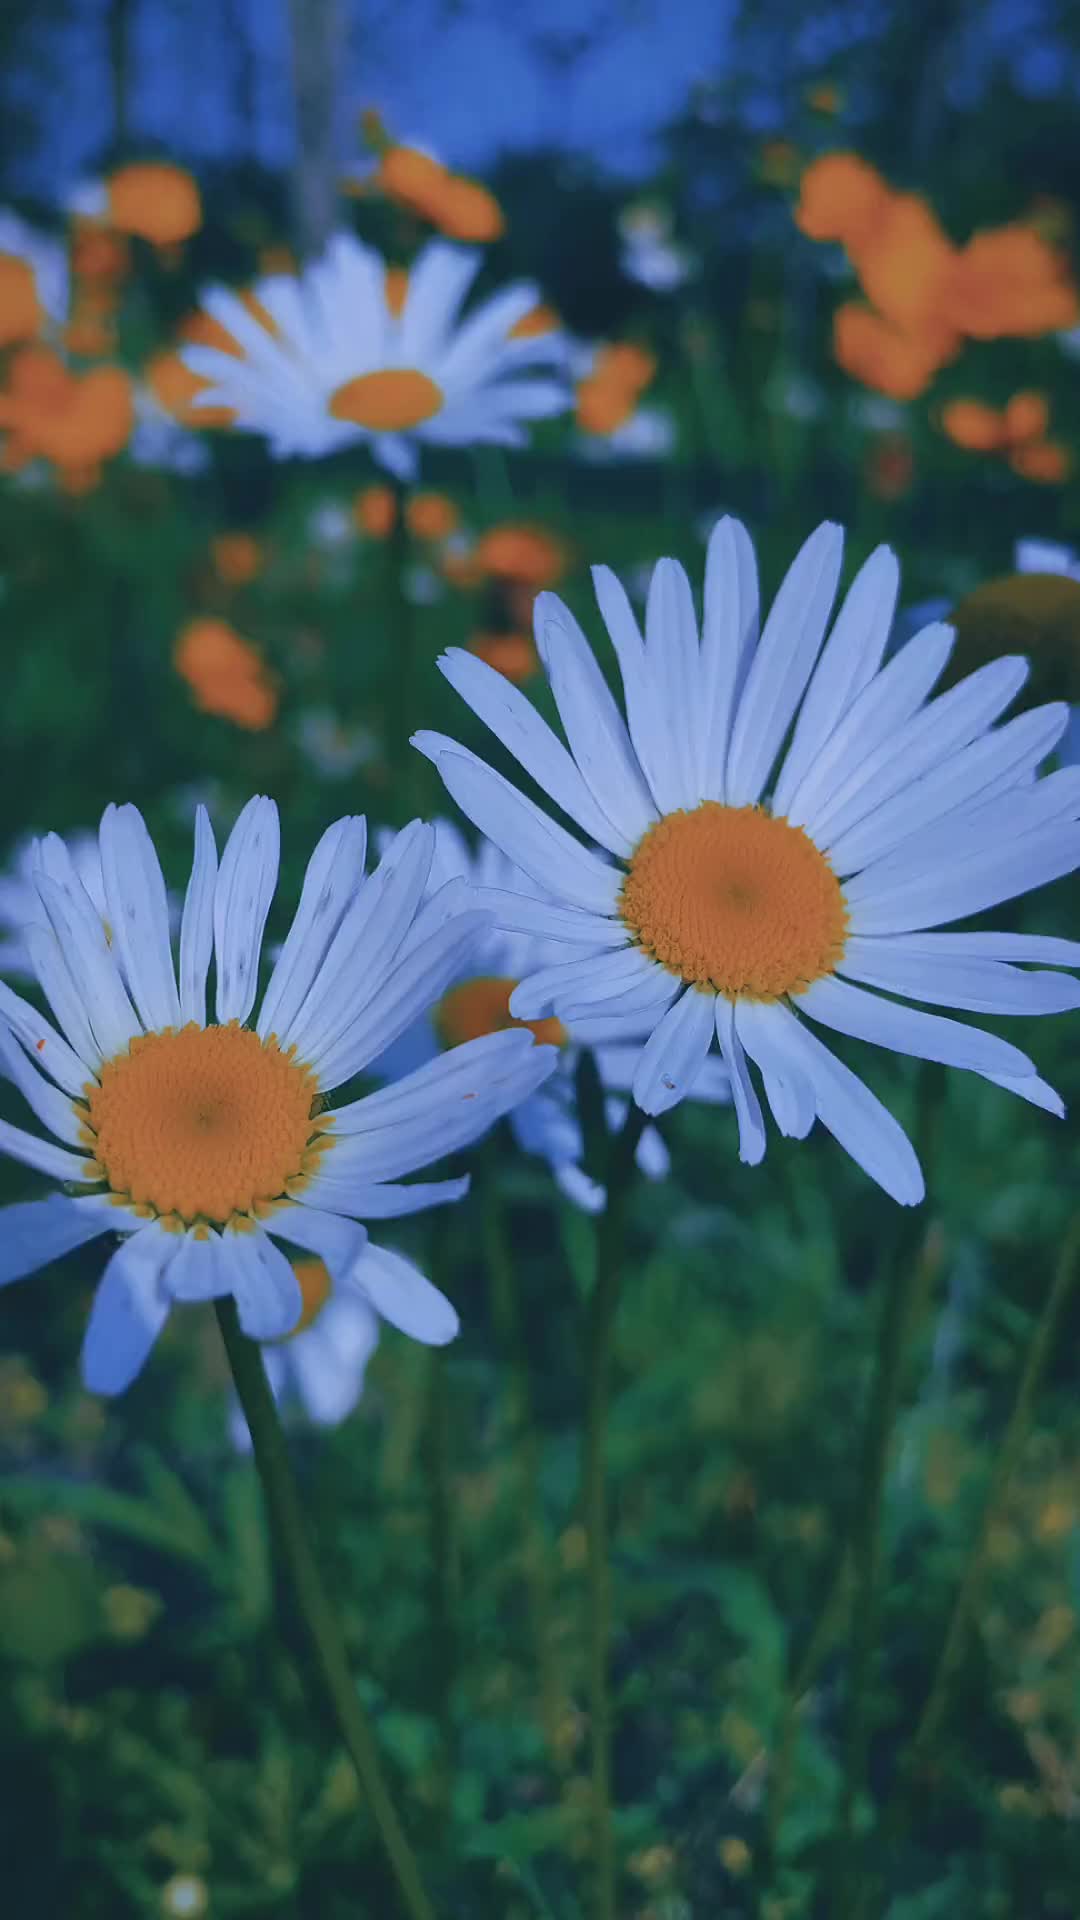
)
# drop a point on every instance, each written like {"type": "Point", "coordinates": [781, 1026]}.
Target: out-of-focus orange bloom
{"type": "Point", "coordinates": [396, 287]}
{"type": "Point", "coordinates": [840, 198]}
{"type": "Point", "coordinates": [461, 207]}
{"type": "Point", "coordinates": [226, 674]}
{"type": "Point", "coordinates": [778, 163]}
{"type": "Point", "coordinates": [466, 210]}
{"type": "Point", "coordinates": [20, 309]}
{"type": "Point", "coordinates": [375, 510]}
{"type": "Point", "coordinates": [237, 558]}
{"type": "Point", "coordinates": [412, 178]}
{"type": "Point", "coordinates": [880, 355]}
{"type": "Point", "coordinates": [431, 516]}
{"type": "Point", "coordinates": [529, 555]}
{"type": "Point", "coordinates": [176, 388]}
{"type": "Point", "coordinates": [76, 421]}
{"type": "Point", "coordinates": [890, 466]}
{"type": "Point", "coordinates": [904, 264]}
{"type": "Point", "coordinates": [91, 330]}
{"type": "Point", "coordinates": [1008, 281]}
{"type": "Point", "coordinates": [155, 201]}
{"type": "Point", "coordinates": [624, 363]}
{"type": "Point", "coordinates": [97, 253]}
{"type": "Point", "coordinates": [1018, 432]}
{"type": "Point", "coordinates": [513, 655]}
{"type": "Point", "coordinates": [538, 321]}
{"type": "Point", "coordinates": [482, 1005]}
{"type": "Point", "coordinates": [600, 408]}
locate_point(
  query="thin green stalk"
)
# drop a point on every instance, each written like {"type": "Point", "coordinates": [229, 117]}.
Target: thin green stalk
{"type": "Point", "coordinates": [953, 1646]}
{"type": "Point", "coordinates": [822, 1635]}
{"type": "Point", "coordinates": [599, 1345]}
{"type": "Point", "coordinates": [536, 1555]}
{"type": "Point", "coordinates": [445, 1586]}
{"type": "Point", "coordinates": [287, 1518]}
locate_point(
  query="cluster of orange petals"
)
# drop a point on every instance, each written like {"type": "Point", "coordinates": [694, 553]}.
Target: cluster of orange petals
{"type": "Point", "coordinates": [528, 556]}
{"type": "Point", "coordinates": [237, 558]}
{"type": "Point", "coordinates": [155, 201]}
{"type": "Point", "coordinates": [429, 516]}
{"type": "Point", "coordinates": [176, 389]}
{"type": "Point", "coordinates": [225, 674]}
{"type": "Point", "coordinates": [74, 420]}
{"type": "Point", "coordinates": [608, 395]}
{"type": "Point", "coordinates": [20, 309]}
{"type": "Point", "coordinates": [926, 294]}
{"type": "Point", "coordinates": [457, 205]}
{"type": "Point", "coordinates": [1018, 432]}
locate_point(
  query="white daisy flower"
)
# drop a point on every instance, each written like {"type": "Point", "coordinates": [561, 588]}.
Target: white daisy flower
{"type": "Point", "coordinates": [546, 1123]}
{"type": "Point", "coordinates": [319, 1367]}
{"type": "Point", "coordinates": [347, 362]}
{"type": "Point", "coordinates": [203, 1141]}
{"type": "Point", "coordinates": [751, 893]}
{"type": "Point", "coordinates": [20, 906]}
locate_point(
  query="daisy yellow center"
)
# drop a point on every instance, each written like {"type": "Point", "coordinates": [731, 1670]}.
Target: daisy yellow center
{"type": "Point", "coordinates": [482, 1006]}
{"type": "Point", "coordinates": [730, 898]}
{"type": "Point", "coordinates": [202, 1122]}
{"type": "Point", "coordinates": [389, 401]}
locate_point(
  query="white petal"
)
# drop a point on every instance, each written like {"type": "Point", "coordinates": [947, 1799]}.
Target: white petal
{"type": "Point", "coordinates": [608, 1029]}
{"type": "Point", "coordinates": [35, 1232]}
{"type": "Point", "coordinates": [516, 723]}
{"type": "Point", "coordinates": [953, 980]}
{"type": "Point", "coordinates": [729, 635]}
{"type": "Point", "coordinates": [421, 976]}
{"type": "Point", "coordinates": [60, 991]}
{"type": "Point", "coordinates": [853, 1115]}
{"type": "Point", "coordinates": [42, 1040]}
{"type": "Point", "coordinates": [918, 746]}
{"type": "Point", "coordinates": [337, 1242]}
{"type": "Point", "coordinates": [593, 724]}
{"type": "Point", "coordinates": [647, 733]}
{"type": "Point", "coordinates": [266, 1290]}
{"type": "Point", "coordinates": [744, 1097]}
{"type": "Point", "coordinates": [673, 662]}
{"type": "Point", "coordinates": [197, 924]}
{"type": "Point", "coordinates": [884, 905]}
{"type": "Point", "coordinates": [45, 1158]}
{"type": "Point", "coordinates": [242, 896]}
{"type": "Point", "coordinates": [1035, 1091]}
{"type": "Point", "coordinates": [330, 1359]}
{"type": "Point", "coordinates": [130, 1308]}
{"type": "Point", "coordinates": [545, 851]}
{"type": "Point", "coordinates": [404, 1296]}
{"type": "Point", "coordinates": [926, 1036]}
{"type": "Point", "coordinates": [334, 874]}
{"type": "Point", "coordinates": [200, 1270]}
{"type": "Point", "coordinates": [95, 976]}
{"type": "Point", "coordinates": [873, 717]}
{"type": "Point", "coordinates": [789, 1089]}
{"type": "Point", "coordinates": [525, 913]}
{"type": "Point", "coordinates": [385, 1200]}
{"type": "Point", "coordinates": [1039, 948]}
{"type": "Point", "coordinates": [673, 1054]}
{"type": "Point", "coordinates": [789, 645]}
{"type": "Point", "coordinates": [849, 660]}
{"type": "Point", "coordinates": [53, 1108]}
{"type": "Point", "coordinates": [585, 984]}
{"type": "Point", "coordinates": [139, 914]}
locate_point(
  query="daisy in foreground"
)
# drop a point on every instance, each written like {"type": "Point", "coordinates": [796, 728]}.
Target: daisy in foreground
{"type": "Point", "coordinates": [354, 350]}
{"type": "Point", "coordinates": [204, 1141]}
{"type": "Point", "coordinates": [750, 893]}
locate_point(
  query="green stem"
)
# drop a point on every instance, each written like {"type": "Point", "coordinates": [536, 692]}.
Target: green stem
{"type": "Point", "coordinates": [444, 1568]}
{"type": "Point", "coordinates": [536, 1556]}
{"type": "Point", "coordinates": [967, 1593]}
{"type": "Point", "coordinates": [287, 1518]}
{"type": "Point", "coordinates": [903, 1291]}
{"type": "Point", "coordinates": [599, 1344]}
{"type": "Point", "coordinates": [822, 1636]}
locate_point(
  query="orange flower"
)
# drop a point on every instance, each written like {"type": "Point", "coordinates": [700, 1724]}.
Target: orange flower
{"type": "Point", "coordinates": [881, 356]}
{"type": "Point", "coordinates": [601, 408]}
{"type": "Point", "coordinates": [1018, 432]}
{"type": "Point", "coordinates": [156, 201]}
{"type": "Point", "coordinates": [974, 426]}
{"type": "Point", "coordinates": [526, 554]}
{"type": "Point", "coordinates": [513, 655]}
{"type": "Point", "coordinates": [375, 511]}
{"type": "Point", "coordinates": [903, 265]}
{"type": "Point", "coordinates": [20, 309]}
{"type": "Point", "coordinates": [1008, 281]}
{"type": "Point", "coordinates": [539, 320]}
{"type": "Point", "coordinates": [1046, 461]}
{"type": "Point", "coordinates": [467, 211]}
{"type": "Point", "coordinates": [176, 388]}
{"type": "Point", "coordinates": [463, 208]}
{"type": "Point", "coordinates": [97, 254]}
{"type": "Point", "coordinates": [411, 178]}
{"type": "Point", "coordinates": [841, 197]}
{"type": "Point", "coordinates": [74, 421]}
{"type": "Point", "coordinates": [226, 674]}
{"type": "Point", "coordinates": [625, 364]}
{"type": "Point", "coordinates": [1027, 417]}
{"type": "Point", "coordinates": [237, 558]}
{"type": "Point", "coordinates": [431, 516]}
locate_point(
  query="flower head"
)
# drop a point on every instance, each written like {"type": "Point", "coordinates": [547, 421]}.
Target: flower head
{"type": "Point", "coordinates": [746, 894]}
{"type": "Point", "coordinates": [226, 674]}
{"type": "Point", "coordinates": [343, 367]}
{"type": "Point", "coordinates": [202, 1140]}
{"type": "Point", "coordinates": [155, 200]}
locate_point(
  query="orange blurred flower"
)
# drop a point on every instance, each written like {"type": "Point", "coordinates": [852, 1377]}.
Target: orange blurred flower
{"type": "Point", "coordinates": [237, 558]}
{"type": "Point", "coordinates": [466, 210]}
{"type": "Point", "coordinates": [176, 388]}
{"type": "Point", "coordinates": [375, 510]}
{"type": "Point", "coordinates": [538, 321]}
{"type": "Point", "coordinates": [840, 198]}
{"type": "Point", "coordinates": [461, 207]}
{"type": "Point", "coordinates": [513, 655]}
{"type": "Point", "coordinates": [20, 310]}
{"type": "Point", "coordinates": [96, 253]}
{"type": "Point", "coordinates": [156, 201]}
{"type": "Point", "coordinates": [526, 554]}
{"type": "Point", "coordinates": [226, 674]}
{"type": "Point", "coordinates": [411, 178]}
{"type": "Point", "coordinates": [1009, 281]}
{"type": "Point", "coordinates": [431, 516]}
{"type": "Point", "coordinates": [903, 264]}
{"type": "Point", "coordinates": [608, 395]}
{"type": "Point", "coordinates": [1018, 432]}
{"type": "Point", "coordinates": [882, 356]}
{"type": "Point", "coordinates": [626, 364]}
{"type": "Point", "coordinates": [74, 420]}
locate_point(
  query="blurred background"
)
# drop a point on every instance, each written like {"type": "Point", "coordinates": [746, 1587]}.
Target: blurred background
{"type": "Point", "coordinates": [809, 263]}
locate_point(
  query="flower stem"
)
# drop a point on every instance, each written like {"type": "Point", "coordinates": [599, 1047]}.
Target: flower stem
{"type": "Point", "coordinates": [951, 1656]}
{"type": "Point", "coordinates": [599, 1344]}
{"type": "Point", "coordinates": [409, 781]}
{"type": "Point", "coordinates": [287, 1519]}
{"type": "Point", "coordinates": [444, 1569]}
